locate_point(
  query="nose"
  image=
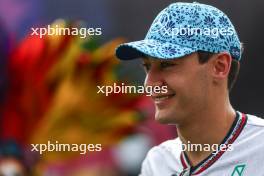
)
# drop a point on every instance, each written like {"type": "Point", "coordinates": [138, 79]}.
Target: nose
{"type": "Point", "coordinates": [154, 78]}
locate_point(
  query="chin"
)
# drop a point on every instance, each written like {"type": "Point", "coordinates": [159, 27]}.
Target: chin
{"type": "Point", "coordinates": [168, 117]}
{"type": "Point", "coordinates": [164, 119]}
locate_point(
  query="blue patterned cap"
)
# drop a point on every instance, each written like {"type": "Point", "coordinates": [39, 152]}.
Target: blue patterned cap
{"type": "Point", "coordinates": [183, 28]}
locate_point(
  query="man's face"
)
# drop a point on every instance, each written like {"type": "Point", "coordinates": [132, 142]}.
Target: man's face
{"type": "Point", "coordinates": [187, 82]}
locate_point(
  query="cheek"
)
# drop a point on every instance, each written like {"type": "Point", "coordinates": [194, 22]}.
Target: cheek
{"type": "Point", "coordinates": [193, 89]}
{"type": "Point", "coordinates": [199, 89]}
{"type": "Point", "coordinates": [190, 83]}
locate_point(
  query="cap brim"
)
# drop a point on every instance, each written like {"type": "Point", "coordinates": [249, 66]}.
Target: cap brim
{"type": "Point", "coordinates": [151, 48]}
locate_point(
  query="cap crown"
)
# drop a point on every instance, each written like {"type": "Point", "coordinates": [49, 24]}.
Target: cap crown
{"type": "Point", "coordinates": [197, 26]}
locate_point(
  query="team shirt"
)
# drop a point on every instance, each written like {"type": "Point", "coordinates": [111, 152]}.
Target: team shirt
{"type": "Point", "coordinates": [245, 159]}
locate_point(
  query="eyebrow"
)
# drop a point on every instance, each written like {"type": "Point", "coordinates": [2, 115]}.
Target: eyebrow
{"type": "Point", "coordinates": [146, 59]}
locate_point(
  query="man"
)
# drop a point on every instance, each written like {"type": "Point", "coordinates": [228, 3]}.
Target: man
{"type": "Point", "coordinates": [194, 50]}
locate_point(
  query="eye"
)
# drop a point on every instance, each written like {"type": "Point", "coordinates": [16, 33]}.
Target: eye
{"type": "Point", "coordinates": [166, 64]}
{"type": "Point", "coordinates": [146, 66]}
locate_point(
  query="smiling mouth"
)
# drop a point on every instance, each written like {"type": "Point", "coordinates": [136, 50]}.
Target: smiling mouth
{"type": "Point", "coordinates": [160, 98]}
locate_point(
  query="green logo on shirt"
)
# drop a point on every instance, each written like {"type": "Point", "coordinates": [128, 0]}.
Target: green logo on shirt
{"type": "Point", "coordinates": [238, 170]}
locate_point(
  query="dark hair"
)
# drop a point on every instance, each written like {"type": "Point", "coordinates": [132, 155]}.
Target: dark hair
{"type": "Point", "coordinates": [234, 70]}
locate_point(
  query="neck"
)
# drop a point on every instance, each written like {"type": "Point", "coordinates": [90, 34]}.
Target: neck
{"type": "Point", "coordinates": [209, 126]}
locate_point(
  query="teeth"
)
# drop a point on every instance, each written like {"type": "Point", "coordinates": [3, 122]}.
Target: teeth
{"type": "Point", "coordinates": [162, 98]}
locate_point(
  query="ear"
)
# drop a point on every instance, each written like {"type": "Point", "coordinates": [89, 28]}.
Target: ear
{"type": "Point", "coordinates": [221, 65]}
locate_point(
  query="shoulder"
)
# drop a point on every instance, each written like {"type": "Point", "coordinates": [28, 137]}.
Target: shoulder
{"type": "Point", "coordinates": [255, 121]}
{"type": "Point", "coordinates": [167, 148]}
{"type": "Point", "coordinates": [167, 152]}
{"type": "Point", "coordinates": [253, 130]}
